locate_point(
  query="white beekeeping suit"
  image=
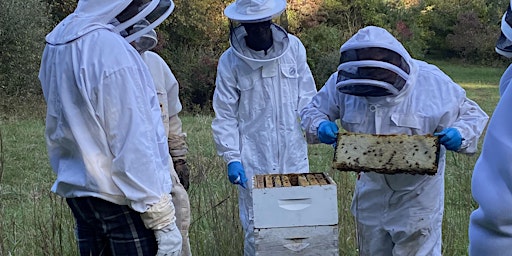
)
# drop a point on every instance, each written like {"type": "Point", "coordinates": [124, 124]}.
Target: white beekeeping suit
{"type": "Point", "coordinates": [168, 95]}
{"type": "Point", "coordinates": [490, 225]}
{"type": "Point", "coordinates": [104, 132]}
{"type": "Point", "coordinates": [380, 89]}
{"type": "Point", "coordinates": [258, 95]}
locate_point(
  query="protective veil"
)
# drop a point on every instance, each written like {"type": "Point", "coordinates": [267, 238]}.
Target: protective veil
{"type": "Point", "coordinates": [92, 141]}
{"type": "Point", "coordinates": [397, 214]}
{"type": "Point", "coordinates": [504, 43]}
{"type": "Point", "coordinates": [257, 100]}
{"type": "Point", "coordinates": [490, 226]}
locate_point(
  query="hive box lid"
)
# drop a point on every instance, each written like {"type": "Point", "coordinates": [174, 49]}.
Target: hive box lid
{"type": "Point", "coordinates": [292, 200]}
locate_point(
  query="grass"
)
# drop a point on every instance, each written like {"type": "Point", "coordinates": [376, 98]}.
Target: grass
{"type": "Point", "coordinates": [36, 222]}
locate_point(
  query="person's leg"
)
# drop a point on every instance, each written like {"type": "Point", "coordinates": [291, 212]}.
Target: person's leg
{"type": "Point", "coordinates": [247, 219]}
{"type": "Point", "coordinates": [104, 228]}
{"type": "Point", "coordinates": [369, 207]}
{"type": "Point", "coordinates": [417, 222]}
{"type": "Point", "coordinates": [182, 205]}
{"type": "Point", "coordinates": [373, 241]}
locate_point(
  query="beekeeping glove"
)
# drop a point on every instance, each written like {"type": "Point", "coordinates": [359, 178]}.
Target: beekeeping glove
{"type": "Point", "coordinates": [236, 173]}
{"type": "Point", "coordinates": [181, 168]}
{"type": "Point", "coordinates": [162, 220]}
{"type": "Point", "coordinates": [450, 138]}
{"type": "Point", "coordinates": [327, 132]}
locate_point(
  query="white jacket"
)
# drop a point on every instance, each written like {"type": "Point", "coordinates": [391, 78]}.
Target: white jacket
{"type": "Point", "coordinates": [104, 133]}
{"type": "Point", "coordinates": [257, 100]}
{"type": "Point", "coordinates": [402, 204]}
{"type": "Point", "coordinates": [490, 227]}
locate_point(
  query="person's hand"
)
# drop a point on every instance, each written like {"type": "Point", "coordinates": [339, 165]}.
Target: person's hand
{"type": "Point", "coordinates": [181, 168]}
{"type": "Point", "coordinates": [161, 218]}
{"type": "Point", "coordinates": [327, 132]}
{"type": "Point", "coordinates": [236, 173]}
{"type": "Point", "coordinates": [169, 240]}
{"type": "Point", "coordinates": [450, 138]}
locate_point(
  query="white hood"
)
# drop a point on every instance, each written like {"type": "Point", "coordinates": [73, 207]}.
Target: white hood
{"type": "Point", "coordinates": [376, 37]}
{"type": "Point", "coordinates": [89, 15]}
{"type": "Point", "coordinates": [372, 36]}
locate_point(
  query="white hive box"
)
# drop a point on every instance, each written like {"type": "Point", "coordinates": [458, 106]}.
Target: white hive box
{"type": "Point", "coordinates": [293, 200]}
{"type": "Point", "coordinates": [295, 214]}
{"type": "Point", "coordinates": [308, 240]}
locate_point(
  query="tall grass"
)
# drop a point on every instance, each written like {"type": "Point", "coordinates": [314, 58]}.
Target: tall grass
{"type": "Point", "coordinates": [33, 221]}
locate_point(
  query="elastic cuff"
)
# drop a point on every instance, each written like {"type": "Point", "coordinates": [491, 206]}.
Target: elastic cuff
{"type": "Point", "coordinates": [160, 214]}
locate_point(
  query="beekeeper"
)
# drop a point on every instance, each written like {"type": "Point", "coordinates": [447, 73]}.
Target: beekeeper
{"type": "Point", "coordinates": [168, 95]}
{"type": "Point", "coordinates": [490, 228]}
{"type": "Point", "coordinates": [263, 81]}
{"type": "Point", "coordinates": [379, 89]}
{"type": "Point", "coordinates": [104, 133]}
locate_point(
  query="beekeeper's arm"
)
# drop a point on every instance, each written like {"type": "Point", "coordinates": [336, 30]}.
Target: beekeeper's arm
{"type": "Point", "coordinates": [307, 86]}
{"type": "Point", "coordinates": [462, 135]}
{"type": "Point", "coordinates": [225, 124]}
{"type": "Point", "coordinates": [178, 147]}
{"type": "Point", "coordinates": [323, 108]}
{"type": "Point", "coordinates": [137, 141]}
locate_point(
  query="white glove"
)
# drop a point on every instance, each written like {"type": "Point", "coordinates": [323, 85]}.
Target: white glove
{"type": "Point", "coordinates": [169, 241]}
{"type": "Point", "coordinates": [162, 220]}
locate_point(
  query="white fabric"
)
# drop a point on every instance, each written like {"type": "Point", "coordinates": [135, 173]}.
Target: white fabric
{"type": "Point", "coordinates": [155, 10]}
{"type": "Point", "coordinates": [167, 89]}
{"type": "Point", "coordinates": [399, 214]}
{"type": "Point", "coordinates": [505, 27]}
{"type": "Point", "coordinates": [161, 214]}
{"type": "Point", "coordinates": [104, 134]}
{"type": "Point", "coordinates": [168, 95]}
{"type": "Point", "coordinates": [254, 10]}
{"type": "Point", "coordinates": [169, 241]}
{"type": "Point", "coordinates": [167, 86]}
{"type": "Point", "coordinates": [490, 227]}
{"type": "Point", "coordinates": [257, 108]}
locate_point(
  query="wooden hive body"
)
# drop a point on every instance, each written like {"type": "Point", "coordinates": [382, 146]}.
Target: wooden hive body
{"type": "Point", "coordinates": [295, 214]}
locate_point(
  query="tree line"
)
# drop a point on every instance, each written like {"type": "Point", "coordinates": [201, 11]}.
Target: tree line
{"type": "Point", "coordinates": [197, 32]}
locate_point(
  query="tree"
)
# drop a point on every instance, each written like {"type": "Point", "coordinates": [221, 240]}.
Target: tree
{"type": "Point", "coordinates": [23, 26]}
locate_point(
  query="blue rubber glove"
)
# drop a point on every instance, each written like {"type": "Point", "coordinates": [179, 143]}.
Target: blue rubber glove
{"type": "Point", "coordinates": [327, 132]}
{"type": "Point", "coordinates": [450, 138]}
{"type": "Point", "coordinates": [236, 173]}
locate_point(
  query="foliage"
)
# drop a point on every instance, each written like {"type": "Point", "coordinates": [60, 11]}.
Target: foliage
{"type": "Point", "coordinates": [198, 23]}
{"type": "Point", "coordinates": [21, 45]}
{"type": "Point", "coordinates": [61, 8]}
{"type": "Point", "coordinates": [197, 32]}
{"type": "Point", "coordinates": [195, 69]}
{"type": "Point", "coordinates": [322, 45]}
{"type": "Point", "coordinates": [471, 39]}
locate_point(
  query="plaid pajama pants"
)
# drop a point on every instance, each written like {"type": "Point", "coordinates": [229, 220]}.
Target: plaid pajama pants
{"type": "Point", "coordinates": [107, 229]}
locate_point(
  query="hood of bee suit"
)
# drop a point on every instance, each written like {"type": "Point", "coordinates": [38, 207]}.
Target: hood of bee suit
{"type": "Point", "coordinates": [504, 42]}
{"type": "Point", "coordinates": [90, 15]}
{"type": "Point", "coordinates": [252, 11]}
{"type": "Point", "coordinates": [373, 63]}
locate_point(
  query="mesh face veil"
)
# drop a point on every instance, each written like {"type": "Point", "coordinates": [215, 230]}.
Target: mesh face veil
{"type": "Point", "coordinates": [372, 72]}
{"type": "Point", "coordinates": [147, 41]}
{"type": "Point", "coordinates": [152, 11]}
{"type": "Point", "coordinates": [504, 42]}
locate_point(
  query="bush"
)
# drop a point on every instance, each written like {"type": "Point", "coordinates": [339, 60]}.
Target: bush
{"type": "Point", "coordinates": [23, 26]}
{"type": "Point", "coordinates": [195, 69]}
{"type": "Point", "coordinates": [322, 44]}
{"type": "Point", "coordinates": [471, 39]}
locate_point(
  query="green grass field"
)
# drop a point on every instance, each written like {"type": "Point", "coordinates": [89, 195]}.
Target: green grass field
{"type": "Point", "coordinates": [33, 221]}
